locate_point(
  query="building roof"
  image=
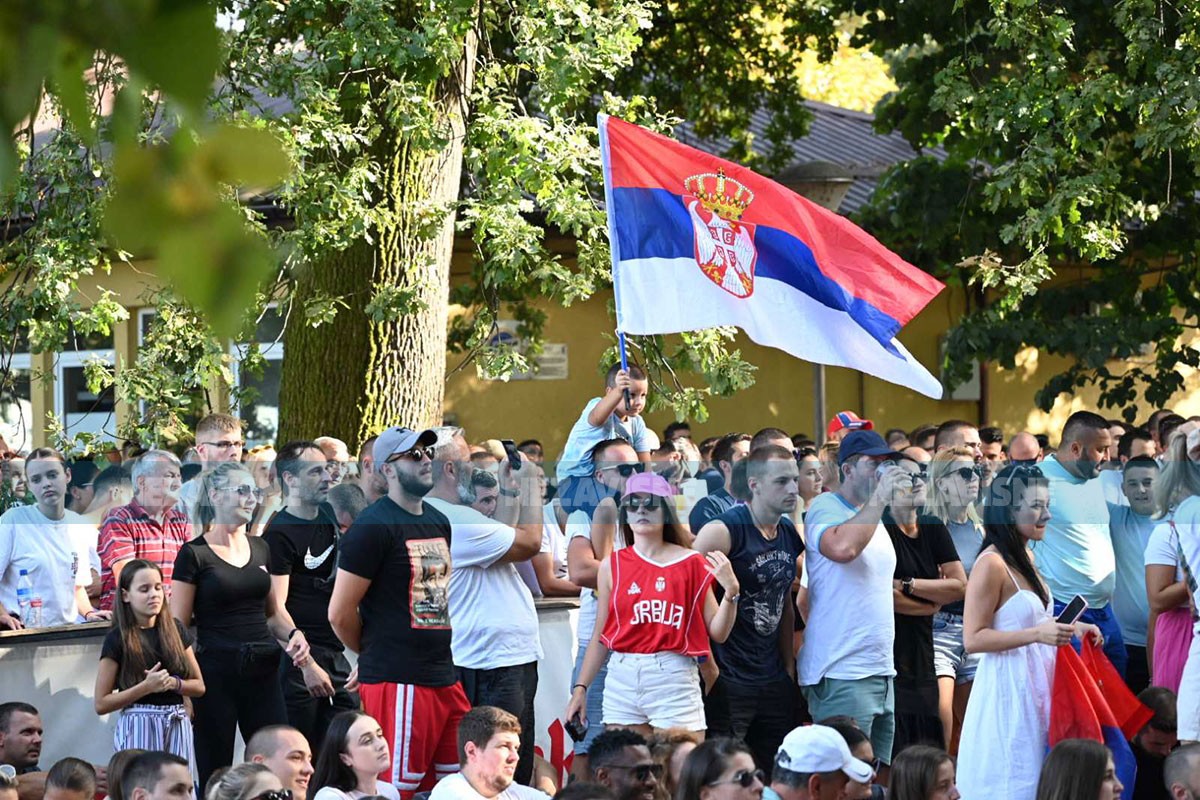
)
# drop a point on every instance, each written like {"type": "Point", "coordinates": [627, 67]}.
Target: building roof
{"type": "Point", "coordinates": [836, 135]}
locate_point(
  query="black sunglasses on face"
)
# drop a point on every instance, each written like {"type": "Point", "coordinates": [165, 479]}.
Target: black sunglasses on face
{"type": "Point", "coordinates": [637, 503]}
{"type": "Point", "coordinates": [626, 470]}
{"type": "Point", "coordinates": [416, 454]}
{"type": "Point", "coordinates": [745, 778]}
{"type": "Point", "coordinates": [278, 794]}
{"type": "Point", "coordinates": [641, 772]}
{"type": "Point", "coordinates": [967, 473]}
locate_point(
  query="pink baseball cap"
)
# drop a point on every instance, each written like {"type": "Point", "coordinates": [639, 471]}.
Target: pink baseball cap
{"type": "Point", "coordinates": [648, 483]}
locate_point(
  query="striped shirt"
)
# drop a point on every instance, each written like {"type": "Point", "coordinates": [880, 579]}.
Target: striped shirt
{"type": "Point", "coordinates": [130, 532]}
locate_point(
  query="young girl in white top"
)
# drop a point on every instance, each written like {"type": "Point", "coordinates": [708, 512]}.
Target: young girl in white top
{"type": "Point", "coordinates": [354, 752]}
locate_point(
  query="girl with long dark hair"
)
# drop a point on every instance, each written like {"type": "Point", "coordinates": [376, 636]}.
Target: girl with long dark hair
{"type": "Point", "coordinates": [147, 667]}
{"type": "Point", "coordinates": [656, 610]}
{"type": "Point", "coordinates": [353, 754]}
{"type": "Point", "coordinates": [1007, 617]}
{"type": "Point", "coordinates": [1079, 769]}
{"type": "Point", "coordinates": [720, 769]}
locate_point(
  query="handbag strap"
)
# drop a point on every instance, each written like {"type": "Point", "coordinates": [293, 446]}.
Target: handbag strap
{"type": "Point", "coordinates": [1189, 576]}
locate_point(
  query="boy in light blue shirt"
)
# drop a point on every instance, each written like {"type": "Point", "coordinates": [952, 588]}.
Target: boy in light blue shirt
{"type": "Point", "coordinates": [603, 418]}
{"type": "Point", "coordinates": [1130, 526]}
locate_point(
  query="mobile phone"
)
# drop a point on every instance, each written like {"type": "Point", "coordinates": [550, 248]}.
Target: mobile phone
{"type": "Point", "coordinates": [514, 455]}
{"type": "Point", "coordinates": [575, 729]}
{"type": "Point", "coordinates": [1074, 610]}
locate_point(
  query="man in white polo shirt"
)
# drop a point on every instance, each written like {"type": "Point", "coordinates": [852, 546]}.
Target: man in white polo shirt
{"type": "Point", "coordinates": [37, 540]}
{"type": "Point", "coordinates": [1076, 556]}
{"type": "Point", "coordinates": [494, 625]}
{"type": "Point", "coordinates": [845, 667]}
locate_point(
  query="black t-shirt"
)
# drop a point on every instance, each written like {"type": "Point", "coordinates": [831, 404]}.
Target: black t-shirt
{"type": "Point", "coordinates": [1150, 783]}
{"type": "Point", "coordinates": [406, 610]}
{"type": "Point", "coordinates": [306, 551]}
{"type": "Point", "coordinates": [114, 649]}
{"type": "Point", "coordinates": [918, 557]}
{"type": "Point", "coordinates": [231, 602]}
{"type": "Point", "coordinates": [765, 570]}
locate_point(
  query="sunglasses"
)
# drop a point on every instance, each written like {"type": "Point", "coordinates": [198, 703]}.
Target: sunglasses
{"type": "Point", "coordinates": [804, 452]}
{"type": "Point", "coordinates": [641, 772]}
{"type": "Point", "coordinates": [626, 470]}
{"type": "Point", "coordinates": [635, 503]}
{"type": "Point", "coordinates": [278, 794]}
{"type": "Point", "coordinates": [745, 778]}
{"type": "Point", "coordinates": [967, 473]}
{"type": "Point", "coordinates": [246, 490]}
{"type": "Point", "coordinates": [416, 454]}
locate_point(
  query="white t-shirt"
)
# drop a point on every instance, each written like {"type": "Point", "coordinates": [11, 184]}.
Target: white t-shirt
{"type": "Point", "coordinates": [86, 537]}
{"type": "Point", "coordinates": [455, 787]}
{"type": "Point", "coordinates": [492, 617]}
{"type": "Point", "coordinates": [382, 788]}
{"type": "Point", "coordinates": [851, 628]}
{"type": "Point", "coordinates": [45, 548]}
{"type": "Point", "coordinates": [1161, 550]}
{"type": "Point", "coordinates": [580, 524]}
{"type": "Point", "coordinates": [1187, 524]}
{"type": "Point", "coordinates": [554, 541]}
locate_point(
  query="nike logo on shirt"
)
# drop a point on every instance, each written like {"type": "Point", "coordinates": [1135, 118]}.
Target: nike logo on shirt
{"type": "Point", "coordinates": [312, 562]}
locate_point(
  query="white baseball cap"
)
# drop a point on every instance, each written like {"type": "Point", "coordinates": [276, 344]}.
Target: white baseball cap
{"type": "Point", "coordinates": [817, 748]}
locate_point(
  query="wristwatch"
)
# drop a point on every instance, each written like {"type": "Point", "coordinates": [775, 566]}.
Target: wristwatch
{"type": "Point", "coordinates": [510, 493]}
{"type": "Point", "coordinates": [906, 587]}
{"type": "Point", "coordinates": [733, 598]}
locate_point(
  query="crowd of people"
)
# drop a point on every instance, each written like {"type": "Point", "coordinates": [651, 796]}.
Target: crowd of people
{"type": "Point", "coordinates": [760, 615]}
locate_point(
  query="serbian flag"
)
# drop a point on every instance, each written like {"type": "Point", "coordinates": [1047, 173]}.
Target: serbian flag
{"type": "Point", "coordinates": [1087, 704]}
{"type": "Point", "coordinates": [699, 242]}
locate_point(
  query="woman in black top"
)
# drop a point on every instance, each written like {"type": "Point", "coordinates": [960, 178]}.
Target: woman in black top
{"type": "Point", "coordinates": [928, 575]}
{"type": "Point", "coordinates": [221, 584]}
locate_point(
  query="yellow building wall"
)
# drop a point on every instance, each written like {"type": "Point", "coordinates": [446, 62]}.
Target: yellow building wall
{"type": "Point", "coordinates": [782, 395]}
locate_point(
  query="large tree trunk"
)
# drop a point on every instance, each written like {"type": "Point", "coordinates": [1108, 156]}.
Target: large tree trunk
{"type": "Point", "coordinates": [354, 377]}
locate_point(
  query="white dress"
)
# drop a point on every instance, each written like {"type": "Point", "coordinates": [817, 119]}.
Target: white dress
{"type": "Point", "coordinates": [1004, 733]}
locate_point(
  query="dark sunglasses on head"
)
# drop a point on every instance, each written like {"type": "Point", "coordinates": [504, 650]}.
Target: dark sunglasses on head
{"type": "Point", "coordinates": [416, 454]}
{"type": "Point", "coordinates": [636, 503]}
{"type": "Point", "coordinates": [640, 772]}
{"type": "Point", "coordinates": [278, 794]}
{"type": "Point", "coordinates": [745, 778]}
{"type": "Point", "coordinates": [802, 453]}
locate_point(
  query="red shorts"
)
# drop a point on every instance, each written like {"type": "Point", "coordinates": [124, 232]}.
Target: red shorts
{"type": "Point", "coordinates": [421, 726]}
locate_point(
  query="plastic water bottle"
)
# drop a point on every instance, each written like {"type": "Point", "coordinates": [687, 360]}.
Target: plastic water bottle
{"type": "Point", "coordinates": [24, 596]}
{"type": "Point", "coordinates": [35, 613]}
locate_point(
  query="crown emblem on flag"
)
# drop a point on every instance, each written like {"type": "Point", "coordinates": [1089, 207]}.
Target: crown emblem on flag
{"type": "Point", "coordinates": [719, 193]}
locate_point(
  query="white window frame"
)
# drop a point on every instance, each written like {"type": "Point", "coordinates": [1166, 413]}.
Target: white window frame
{"type": "Point", "coordinates": [271, 351]}
{"type": "Point", "coordinates": [77, 359]}
{"type": "Point", "coordinates": [22, 361]}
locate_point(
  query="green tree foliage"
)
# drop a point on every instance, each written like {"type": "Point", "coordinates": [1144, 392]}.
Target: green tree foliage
{"type": "Point", "coordinates": [1071, 135]}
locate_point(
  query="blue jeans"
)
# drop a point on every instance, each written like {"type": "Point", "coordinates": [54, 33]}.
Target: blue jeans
{"type": "Point", "coordinates": [1106, 621]}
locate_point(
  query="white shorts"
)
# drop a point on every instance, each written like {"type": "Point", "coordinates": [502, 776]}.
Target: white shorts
{"type": "Point", "coordinates": [658, 689]}
{"type": "Point", "coordinates": [1188, 703]}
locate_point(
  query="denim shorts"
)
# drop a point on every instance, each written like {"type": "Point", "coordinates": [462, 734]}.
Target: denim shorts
{"type": "Point", "coordinates": [950, 658]}
{"type": "Point", "coordinates": [871, 702]}
{"type": "Point", "coordinates": [657, 689]}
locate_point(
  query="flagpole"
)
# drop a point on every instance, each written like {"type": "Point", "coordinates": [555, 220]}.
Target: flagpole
{"type": "Point", "coordinates": [819, 403]}
{"type": "Point", "coordinates": [625, 367]}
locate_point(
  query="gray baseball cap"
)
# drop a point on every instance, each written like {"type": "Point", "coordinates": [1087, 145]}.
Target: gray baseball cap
{"type": "Point", "coordinates": [398, 439]}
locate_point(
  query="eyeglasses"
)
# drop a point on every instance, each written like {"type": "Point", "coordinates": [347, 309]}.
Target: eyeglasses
{"type": "Point", "coordinates": [224, 444]}
{"type": "Point", "coordinates": [745, 778]}
{"type": "Point", "coordinates": [636, 503]}
{"type": "Point", "coordinates": [641, 772]}
{"type": "Point", "coordinates": [416, 454]}
{"type": "Point", "coordinates": [626, 470]}
{"type": "Point", "coordinates": [246, 490]}
{"type": "Point", "coordinates": [967, 473]}
{"type": "Point", "coordinates": [278, 794]}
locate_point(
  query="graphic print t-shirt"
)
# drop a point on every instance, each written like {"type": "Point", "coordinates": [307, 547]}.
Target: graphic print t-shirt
{"type": "Point", "coordinates": [765, 570]}
{"type": "Point", "coordinates": [306, 551]}
{"type": "Point", "coordinates": [406, 611]}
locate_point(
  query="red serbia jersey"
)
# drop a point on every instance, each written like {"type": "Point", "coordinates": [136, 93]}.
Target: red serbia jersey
{"type": "Point", "coordinates": [657, 608]}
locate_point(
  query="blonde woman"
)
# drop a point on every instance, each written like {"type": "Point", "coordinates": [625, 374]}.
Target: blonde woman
{"type": "Point", "coordinates": [953, 486]}
{"type": "Point", "coordinates": [1177, 495]}
{"type": "Point", "coordinates": [221, 585]}
{"type": "Point", "coordinates": [260, 461]}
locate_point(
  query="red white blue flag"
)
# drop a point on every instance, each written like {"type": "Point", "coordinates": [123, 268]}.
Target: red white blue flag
{"type": "Point", "coordinates": [699, 242]}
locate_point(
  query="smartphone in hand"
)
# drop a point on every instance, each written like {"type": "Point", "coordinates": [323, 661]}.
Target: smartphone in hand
{"type": "Point", "coordinates": [1074, 610]}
